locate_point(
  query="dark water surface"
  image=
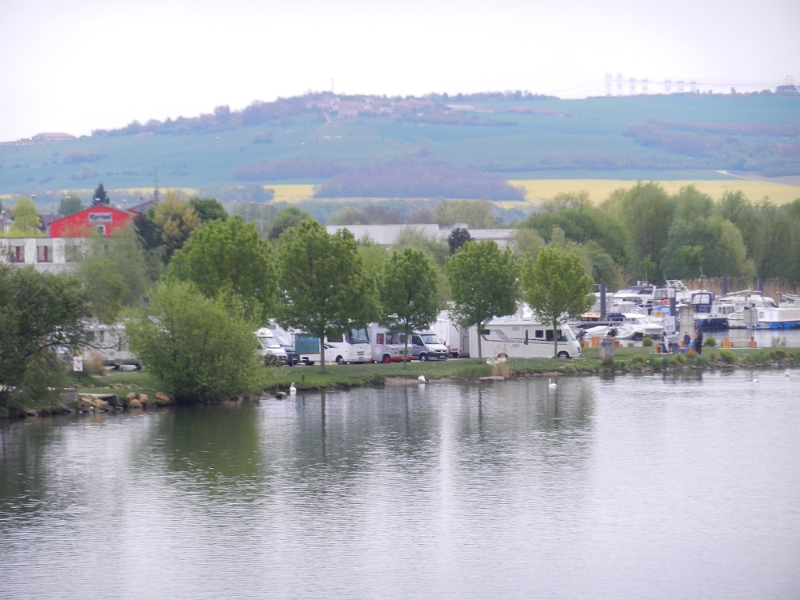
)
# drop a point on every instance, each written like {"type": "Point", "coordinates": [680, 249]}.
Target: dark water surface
{"type": "Point", "coordinates": [635, 487]}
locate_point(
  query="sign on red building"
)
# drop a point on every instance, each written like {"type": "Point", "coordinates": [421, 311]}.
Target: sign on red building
{"type": "Point", "coordinates": [102, 219]}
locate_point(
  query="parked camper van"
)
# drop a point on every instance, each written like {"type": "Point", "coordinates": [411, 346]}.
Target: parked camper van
{"type": "Point", "coordinates": [109, 343]}
{"type": "Point", "coordinates": [523, 338]}
{"type": "Point", "coordinates": [385, 346]}
{"type": "Point", "coordinates": [351, 347]}
{"type": "Point", "coordinates": [269, 346]}
{"type": "Point", "coordinates": [425, 345]}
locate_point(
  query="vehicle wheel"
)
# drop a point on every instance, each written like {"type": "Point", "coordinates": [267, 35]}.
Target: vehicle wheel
{"type": "Point", "coordinates": [386, 359]}
{"type": "Point", "coordinates": [339, 360]}
{"type": "Point", "coordinates": [423, 357]}
{"type": "Point", "coordinates": [563, 354]}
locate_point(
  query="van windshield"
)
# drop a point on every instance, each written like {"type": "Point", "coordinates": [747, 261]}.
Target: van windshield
{"type": "Point", "coordinates": [429, 338]}
{"type": "Point", "coordinates": [358, 336]}
{"type": "Point", "coordinates": [268, 342]}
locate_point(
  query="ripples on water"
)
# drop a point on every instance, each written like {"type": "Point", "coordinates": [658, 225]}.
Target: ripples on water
{"type": "Point", "coordinates": [629, 487]}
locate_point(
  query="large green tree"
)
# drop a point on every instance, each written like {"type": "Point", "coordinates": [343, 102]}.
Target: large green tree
{"type": "Point", "coordinates": [115, 272]}
{"type": "Point", "coordinates": [647, 211]}
{"type": "Point", "coordinates": [26, 219]}
{"type": "Point", "coordinates": [323, 283]}
{"type": "Point", "coordinates": [208, 209]}
{"type": "Point", "coordinates": [713, 245]}
{"type": "Point", "coordinates": [286, 219]}
{"type": "Point", "coordinates": [483, 282]}
{"type": "Point", "coordinates": [40, 314]}
{"type": "Point", "coordinates": [200, 349]}
{"type": "Point", "coordinates": [556, 287]}
{"type": "Point", "coordinates": [409, 292]}
{"type": "Point", "coordinates": [229, 255]}
{"type": "Point", "coordinates": [69, 205]}
{"type": "Point", "coordinates": [100, 196]}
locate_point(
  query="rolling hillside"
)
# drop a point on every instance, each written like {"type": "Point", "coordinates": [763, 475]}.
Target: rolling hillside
{"type": "Point", "coordinates": [310, 139]}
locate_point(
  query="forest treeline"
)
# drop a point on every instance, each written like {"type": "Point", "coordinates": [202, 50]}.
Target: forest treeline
{"type": "Point", "coordinates": [713, 145]}
{"type": "Point", "coordinates": [645, 233]}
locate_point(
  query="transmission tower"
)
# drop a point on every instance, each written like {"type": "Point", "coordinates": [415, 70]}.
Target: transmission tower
{"type": "Point", "coordinates": [645, 86]}
{"type": "Point", "coordinates": [680, 86]}
{"type": "Point", "coordinates": [608, 84]}
{"type": "Point", "coordinates": [668, 86]}
{"type": "Point", "coordinates": [693, 87]}
{"type": "Point", "coordinates": [619, 84]}
{"type": "Point", "coordinates": [632, 86]}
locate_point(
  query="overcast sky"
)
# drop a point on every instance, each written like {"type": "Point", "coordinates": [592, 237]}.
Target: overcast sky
{"type": "Point", "coordinates": [91, 64]}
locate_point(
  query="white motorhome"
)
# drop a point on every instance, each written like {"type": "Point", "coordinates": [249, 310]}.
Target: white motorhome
{"type": "Point", "coordinates": [351, 347]}
{"type": "Point", "coordinates": [108, 343]}
{"type": "Point", "coordinates": [269, 346]}
{"type": "Point", "coordinates": [514, 337]}
{"type": "Point", "coordinates": [385, 345]}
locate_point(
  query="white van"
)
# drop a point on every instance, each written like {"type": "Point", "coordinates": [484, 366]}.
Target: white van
{"type": "Point", "coordinates": [269, 346]}
{"type": "Point", "coordinates": [351, 347]}
{"type": "Point", "coordinates": [523, 338]}
{"type": "Point", "coordinates": [425, 345]}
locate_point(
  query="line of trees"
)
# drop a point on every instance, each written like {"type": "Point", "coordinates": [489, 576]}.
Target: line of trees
{"type": "Point", "coordinates": [645, 233]}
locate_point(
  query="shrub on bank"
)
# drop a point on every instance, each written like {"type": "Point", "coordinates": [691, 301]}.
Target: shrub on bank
{"type": "Point", "coordinates": [199, 349]}
{"type": "Point", "coordinates": [727, 357]}
{"type": "Point", "coordinates": [647, 341]}
{"type": "Point", "coordinates": [710, 342]}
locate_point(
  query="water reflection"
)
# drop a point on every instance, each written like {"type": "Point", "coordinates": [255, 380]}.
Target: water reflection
{"type": "Point", "coordinates": [652, 485]}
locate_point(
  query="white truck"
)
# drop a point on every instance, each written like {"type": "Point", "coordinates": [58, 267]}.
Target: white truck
{"type": "Point", "coordinates": [452, 335]}
{"type": "Point", "coordinates": [515, 337]}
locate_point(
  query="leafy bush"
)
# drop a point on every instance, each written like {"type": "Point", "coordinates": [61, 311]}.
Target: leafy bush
{"type": "Point", "coordinates": [199, 349]}
{"type": "Point", "coordinates": [710, 342]}
{"type": "Point", "coordinates": [691, 355]}
{"type": "Point", "coordinates": [608, 362]}
{"type": "Point", "coordinates": [701, 361]}
{"type": "Point", "coordinates": [638, 361]}
{"type": "Point", "coordinates": [727, 357]}
{"type": "Point", "coordinates": [647, 341]}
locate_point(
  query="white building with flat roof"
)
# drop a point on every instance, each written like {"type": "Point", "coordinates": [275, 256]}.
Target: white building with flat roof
{"type": "Point", "coordinates": [386, 235]}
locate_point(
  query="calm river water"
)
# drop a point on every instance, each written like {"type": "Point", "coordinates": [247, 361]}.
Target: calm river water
{"type": "Point", "coordinates": [636, 487]}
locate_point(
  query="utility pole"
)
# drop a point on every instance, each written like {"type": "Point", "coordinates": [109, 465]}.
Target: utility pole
{"type": "Point", "coordinates": [155, 190]}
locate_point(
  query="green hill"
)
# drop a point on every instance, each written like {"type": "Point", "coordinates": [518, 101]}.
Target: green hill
{"type": "Point", "coordinates": [313, 138]}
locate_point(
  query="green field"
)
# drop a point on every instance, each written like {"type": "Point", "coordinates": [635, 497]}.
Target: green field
{"type": "Point", "coordinates": [520, 146]}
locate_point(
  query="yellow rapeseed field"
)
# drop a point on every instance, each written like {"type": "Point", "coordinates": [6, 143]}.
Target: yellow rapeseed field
{"type": "Point", "coordinates": [600, 189]}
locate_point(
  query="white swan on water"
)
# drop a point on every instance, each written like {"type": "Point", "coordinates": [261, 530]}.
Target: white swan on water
{"type": "Point", "coordinates": [292, 389]}
{"type": "Point", "coordinates": [421, 379]}
{"type": "Point", "coordinates": [551, 384]}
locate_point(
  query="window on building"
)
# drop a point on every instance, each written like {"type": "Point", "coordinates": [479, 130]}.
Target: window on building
{"type": "Point", "coordinates": [101, 229]}
{"type": "Point", "coordinates": [18, 254]}
{"type": "Point", "coordinates": [44, 254]}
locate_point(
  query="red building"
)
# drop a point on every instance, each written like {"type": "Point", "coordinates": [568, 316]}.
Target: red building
{"type": "Point", "coordinates": [101, 218]}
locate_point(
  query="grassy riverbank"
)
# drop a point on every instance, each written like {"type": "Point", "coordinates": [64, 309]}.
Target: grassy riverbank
{"type": "Point", "coordinates": [633, 359]}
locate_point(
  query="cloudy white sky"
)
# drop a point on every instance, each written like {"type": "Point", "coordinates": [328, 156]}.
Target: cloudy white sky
{"type": "Point", "coordinates": [88, 64]}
